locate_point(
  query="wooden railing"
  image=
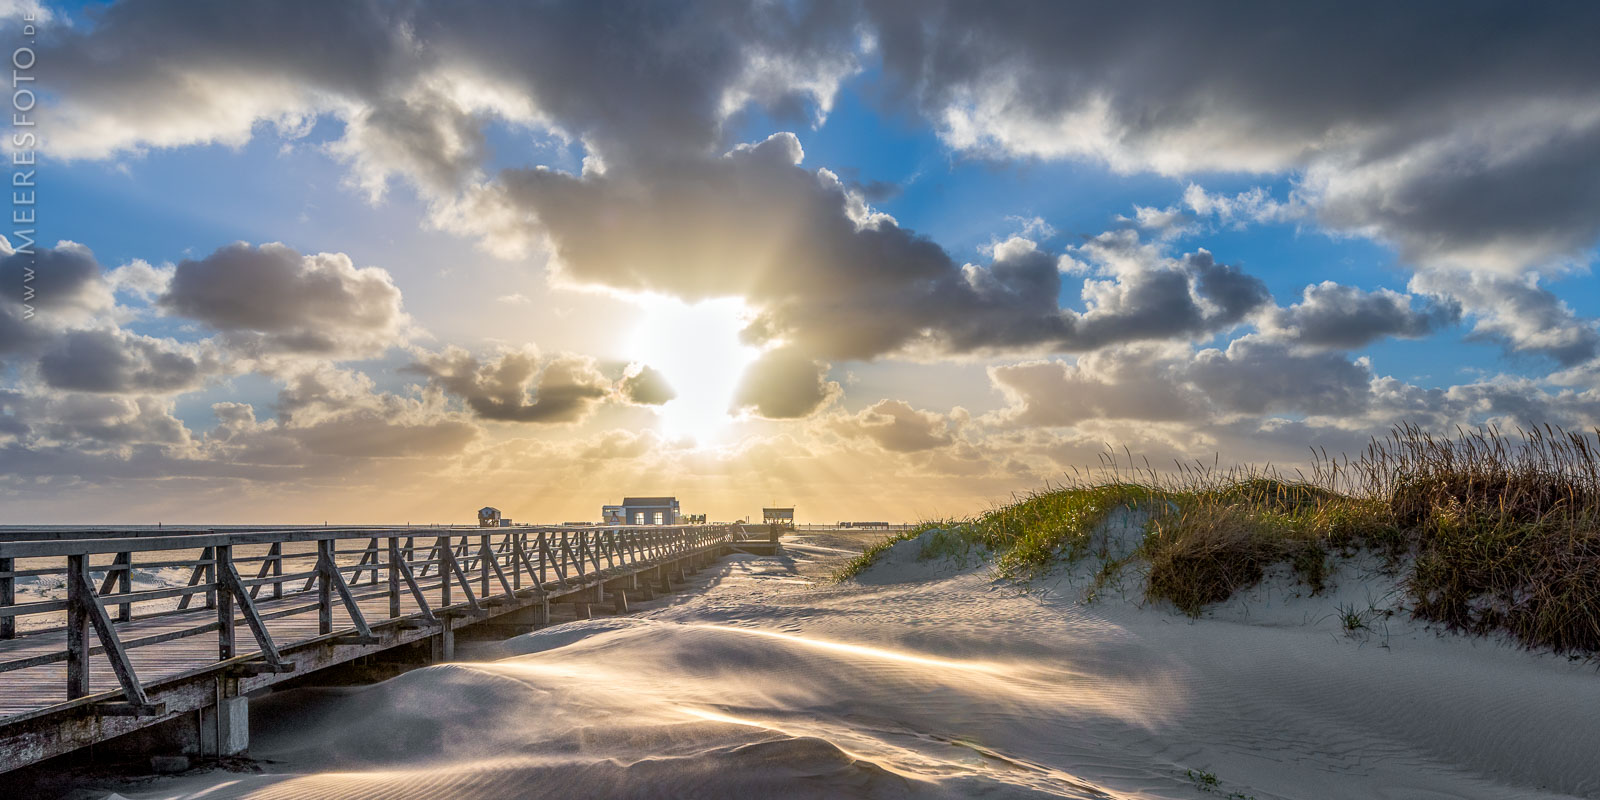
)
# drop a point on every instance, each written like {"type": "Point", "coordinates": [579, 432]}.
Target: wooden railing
{"type": "Point", "coordinates": [253, 576]}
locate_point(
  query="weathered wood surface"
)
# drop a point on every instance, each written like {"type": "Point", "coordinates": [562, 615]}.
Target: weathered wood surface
{"type": "Point", "coordinates": [291, 586]}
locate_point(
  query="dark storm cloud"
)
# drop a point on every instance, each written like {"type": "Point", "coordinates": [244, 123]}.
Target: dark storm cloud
{"type": "Point", "coordinates": [657, 76]}
{"type": "Point", "coordinates": [1344, 317]}
{"type": "Point", "coordinates": [666, 213]}
{"type": "Point", "coordinates": [271, 299]}
{"type": "Point", "coordinates": [1466, 135]}
{"type": "Point", "coordinates": [517, 385]}
{"type": "Point", "coordinates": [1463, 132]}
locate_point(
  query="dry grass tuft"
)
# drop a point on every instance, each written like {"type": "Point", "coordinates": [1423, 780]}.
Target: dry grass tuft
{"type": "Point", "coordinates": [1492, 532]}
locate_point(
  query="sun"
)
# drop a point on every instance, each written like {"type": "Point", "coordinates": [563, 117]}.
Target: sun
{"type": "Point", "coordinates": [696, 348]}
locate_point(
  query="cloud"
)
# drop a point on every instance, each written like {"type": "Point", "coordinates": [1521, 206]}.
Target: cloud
{"type": "Point", "coordinates": [118, 362]}
{"type": "Point", "coordinates": [783, 384]}
{"type": "Point", "coordinates": [518, 385]}
{"type": "Point", "coordinates": [416, 83]}
{"type": "Point", "coordinates": [140, 279]}
{"type": "Point", "coordinates": [1250, 206]}
{"type": "Point", "coordinates": [65, 279]}
{"type": "Point", "coordinates": [1144, 382]}
{"type": "Point", "coordinates": [366, 436]}
{"type": "Point", "coordinates": [1256, 376]}
{"type": "Point", "coordinates": [1516, 312]}
{"type": "Point", "coordinates": [1334, 316]}
{"type": "Point", "coordinates": [1169, 383]}
{"type": "Point", "coordinates": [93, 422]}
{"type": "Point", "coordinates": [1151, 296]}
{"type": "Point", "coordinates": [325, 411]}
{"type": "Point", "coordinates": [828, 276]}
{"type": "Point", "coordinates": [647, 387]}
{"type": "Point", "coordinates": [272, 300]}
{"type": "Point", "coordinates": [898, 427]}
{"type": "Point", "coordinates": [825, 273]}
{"type": "Point", "coordinates": [48, 292]}
{"type": "Point", "coordinates": [623, 445]}
{"type": "Point", "coordinates": [1473, 144]}
{"type": "Point", "coordinates": [1473, 148]}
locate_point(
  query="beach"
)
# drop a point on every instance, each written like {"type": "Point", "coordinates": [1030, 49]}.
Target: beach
{"type": "Point", "coordinates": [931, 678]}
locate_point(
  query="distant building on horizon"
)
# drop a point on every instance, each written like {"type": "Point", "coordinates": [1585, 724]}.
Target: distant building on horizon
{"type": "Point", "coordinates": [642, 511]}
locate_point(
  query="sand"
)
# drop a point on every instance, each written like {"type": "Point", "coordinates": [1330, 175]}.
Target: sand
{"type": "Point", "coordinates": [932, 679]}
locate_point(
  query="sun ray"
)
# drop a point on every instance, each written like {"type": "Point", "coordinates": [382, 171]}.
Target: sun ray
{"type": "Point", "coordinates": [697, 348]}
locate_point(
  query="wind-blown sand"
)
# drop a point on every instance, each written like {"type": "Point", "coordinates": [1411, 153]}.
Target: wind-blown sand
{"type": "Point", "coordinates": [930, 679]}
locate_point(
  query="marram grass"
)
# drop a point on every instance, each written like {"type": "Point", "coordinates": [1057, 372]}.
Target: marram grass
{"type": "Point", "coordinates": [1488, 532]}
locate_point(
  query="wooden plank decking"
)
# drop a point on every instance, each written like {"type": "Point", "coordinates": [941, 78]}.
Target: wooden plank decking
{"type": "Point", "coordinates": [126, 656]}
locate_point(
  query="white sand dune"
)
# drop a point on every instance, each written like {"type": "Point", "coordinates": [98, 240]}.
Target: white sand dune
{"type": "Point", "coordinates": [952, 685]}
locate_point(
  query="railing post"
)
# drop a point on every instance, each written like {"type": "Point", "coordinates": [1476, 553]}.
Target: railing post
{"type": "Point", "coordinates": [276, 554]}
{"type": "Point", "coordinates": [544, 558]}
{"type": "Point", "coordinates": [125, 586]}
{"type": "Point", "coordinates": [394, 577]}
{"type": "Point", "coordinates": [226, 647]}
{"type": "Point", "coordinates": [446, 555]}
{"type": "Point", "coordinates": [519, 557]}
{"type": "Point", "coordinates": [484, 554]}
{"type": "Point", "coordinates": [211, 579]}
{"type": "Point", "coordinates": [77, 629]}
{"type": "Point", "coordinates": [8, 597]}
{"type": "Point", "coordinates": [324, 586]}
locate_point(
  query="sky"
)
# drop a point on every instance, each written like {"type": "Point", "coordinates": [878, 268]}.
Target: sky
{"type": "Point", "coordinates": [388, 262]}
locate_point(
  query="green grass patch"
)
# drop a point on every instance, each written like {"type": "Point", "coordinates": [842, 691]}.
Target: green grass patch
{"type": "Point", "coordinates": [869, 556]}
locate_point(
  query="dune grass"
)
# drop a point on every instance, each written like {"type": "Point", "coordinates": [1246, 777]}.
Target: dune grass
{"type": "Point", "coordinates": [1489, 532]}
{"type": "Point", "coordinates": [855, 565]}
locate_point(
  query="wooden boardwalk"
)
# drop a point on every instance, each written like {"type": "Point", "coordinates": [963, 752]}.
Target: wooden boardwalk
{"type": "Point", "coordinates": [101, 640]}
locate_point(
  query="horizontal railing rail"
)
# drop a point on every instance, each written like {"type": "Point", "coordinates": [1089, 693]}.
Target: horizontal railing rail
{"type": "Point", "coordinates": [424, 572]}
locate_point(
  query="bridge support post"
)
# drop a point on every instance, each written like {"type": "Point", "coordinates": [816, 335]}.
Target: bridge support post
{"type": "Point", "coordinates": [225, 730]}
